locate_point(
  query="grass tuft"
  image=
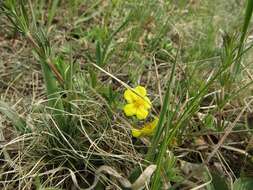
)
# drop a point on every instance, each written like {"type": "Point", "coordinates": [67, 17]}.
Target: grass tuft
{"type": "Point", "coordinates": [65, 67]}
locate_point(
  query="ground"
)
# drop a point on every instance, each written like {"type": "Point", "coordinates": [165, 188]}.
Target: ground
{"type": "Point", "coordinates": [184, 53]}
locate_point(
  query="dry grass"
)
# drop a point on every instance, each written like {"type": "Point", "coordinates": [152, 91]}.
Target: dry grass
{"type": "Point", "coordinates": [216, 140]}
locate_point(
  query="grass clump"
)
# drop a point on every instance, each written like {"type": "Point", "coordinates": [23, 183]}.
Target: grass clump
{"type": "Point", "coordinates": [131, 95]}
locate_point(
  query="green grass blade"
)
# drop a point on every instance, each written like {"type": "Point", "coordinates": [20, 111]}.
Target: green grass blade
{"type": "Point", "coordinates": [158, 132]}
{"type": "Point", "coordinates": [52, 12]}
{"type": "Point", "coordinates": [247, 18]}
{"type": "Point", "coordinates": [17, 121]}
{"type": "Point", "coordinates": [108, 42]}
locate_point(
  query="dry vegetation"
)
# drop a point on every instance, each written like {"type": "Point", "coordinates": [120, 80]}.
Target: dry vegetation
{"type": "Point", "coordinates": [64, 70]}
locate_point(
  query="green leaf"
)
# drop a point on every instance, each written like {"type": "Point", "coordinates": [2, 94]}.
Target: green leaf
{"type": "Point", "coordinates": [98, 54]}
{"type": "Point", "coordinates": [218, 182]}
{"type": "Point", "coordinates": [243, 184]}
{"type": "Point", "coordinates": [209, 122]}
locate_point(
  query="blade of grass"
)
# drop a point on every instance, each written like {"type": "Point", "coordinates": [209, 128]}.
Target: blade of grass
{"type": "Point", "coordinates": [17, 121]}
{"type": "Point", "coordinates": [52, 12]}
{"type": "Point", "coordinates": [104, 52]}
{"type": "Point", "coordinates": [168, 138]}
{"type": "Point", "coordinates": [159, 129]}
{"type": "Point", "coordinates": [247, 18]}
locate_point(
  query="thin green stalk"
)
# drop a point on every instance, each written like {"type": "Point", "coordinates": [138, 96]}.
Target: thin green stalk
{"type": "Point", "coordinates": [159, 129]}
{"type": "Point", "coordinates": [103, 52]}
{"type": "Point", "coordinates": [247, 18]}
{"type": "Point", "coordinates": [156, 181]}
{"type": "Point", "coordinates": [170, 134]}
{"type": "Point", "coordinates": [52, 12]}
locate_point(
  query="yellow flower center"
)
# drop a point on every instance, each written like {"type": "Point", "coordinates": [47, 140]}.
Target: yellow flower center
{"type": "Point", "coordinates": [138, 102]}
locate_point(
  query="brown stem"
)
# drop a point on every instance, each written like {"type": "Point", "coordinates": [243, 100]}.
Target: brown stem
{"type": "Point", "coordinates": [48, 61]}
{"type": "Point", "coordinates": [55, 71]}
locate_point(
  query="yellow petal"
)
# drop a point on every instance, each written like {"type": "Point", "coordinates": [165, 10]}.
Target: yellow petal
{"type": "Point", "coordinates": [147, 131]}
{"type": "Point", "coordinates": [129, 95]}
{"type": "Point", "coordinates": [154, 123]}
{"type": "Point", "coordinates": [141, 113]}
{"type": "Point", "coordinates": [129, 109]}
{"type": "Point", "coordinates": [140, 90]}
{"type": "Point", "coordinates": [136, 132]}
{"type": "Point", "coordinates": [147, 103]}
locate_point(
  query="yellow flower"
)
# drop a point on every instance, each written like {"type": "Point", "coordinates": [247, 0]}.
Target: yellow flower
{"type": "Point", "coordinates": [146, 129]}
{"type": "Point", "coordinates": [137, 102]}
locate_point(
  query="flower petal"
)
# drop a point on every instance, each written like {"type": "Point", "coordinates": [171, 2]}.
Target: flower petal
{"type": "Point", "coordinates": [140, 90]}
{"type": "Point", "coordinates": [141, 113]}
{"type": "Point", "coordinates": [136, 132]}
{"type": "Point", "coordinates": [129, 95]}
{"type": "Point", "coordinates": [148, 129]}
{"type": "Point", "coordinates": [155, 122]}
{"type": "Point", "coordinates": [147, 103]}
{"type": "Point", "coordinates": [129, 109]}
